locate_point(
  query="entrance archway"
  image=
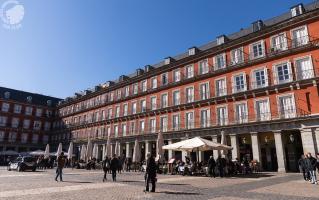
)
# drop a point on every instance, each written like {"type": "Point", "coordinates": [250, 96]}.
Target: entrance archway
{"type": "Point", "coordinates": [293, 149]}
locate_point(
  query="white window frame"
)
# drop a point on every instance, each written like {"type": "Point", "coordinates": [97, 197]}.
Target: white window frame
{"type": "Point", "coordinates": [179, 122]}
{"type": "Point", "coordinates": [152, 129]}
{"type": "Point", "coordinates": [127, 91]}
{"type": "Point", "coordinates": [292, 115]}
{"type": "Point", "coordinates": [154, 83]}
{"type": "Point", "coordinates": [191, 73]}
{"type": "Point", "coordinates": [192, 96]}
{"type": "Point", "coordinates": [223, 56]}
{"type": "Point", "coordinates": [226, 115]}
{"type": "Point", "coordinates": [207, 123]}
{"type": "Point", "coordinates": [162, 105]}
{"type": "Point", "coordinates": [176, 75]}
{"type": "Point", "coordinates": [268, 115]}
{"type": "Point", "coordinates": [167, 78]}
{"type": "Point", "coordinates": [254, 80]}
{"type": "Point", "coordinates": [144, 85]}
{"type": "Point", "coordinates": [125, 111]}
{"type": "Point", "coordinates": [153, 105]}
{"type": "Point", "coordinates": [179, 97]}
{"type": "Point", "coordinates": [235, 90]}
{"type": "Point", "coordinates": [162, 128]}
{"type": "Point", "coordinates": [276, 48]}
{"type": "Point", "coordinates": [207, 95]}
{"type": "Point", "coordinates": [132, 106]}
{"type": "Point", "coordinates": [236, 60]}
{"type": "Point", "coordinates": [276, 76]}
{"type": "Point", "coordinates": [241, 121]}
{"type": "Point", "coordinates": [203, 68]}
{"type": "Point", "coordinates": [306, 36]}
{"type": "Point", "coordinates": [5, 107]}
{"type": "Point", "coordinates": [186, 120]}
{"type": "Point", "coordinates": [225, 89]}
{"type": "Point", "coordinates": [142, 103]}
{"type": "Point", "coordinates": [17, 108]}
{"type": "Point", "coordinates": [124, 132]}
{"type": "Point", "coordinates": [297, 73]}
{"type": "Point", "coordinates": [251, 50]}
{"type": "Point", "coordinates": [135, 88]}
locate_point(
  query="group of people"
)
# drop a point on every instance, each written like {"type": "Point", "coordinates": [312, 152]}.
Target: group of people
{"type": "Point", "coordinates": [308, 166]}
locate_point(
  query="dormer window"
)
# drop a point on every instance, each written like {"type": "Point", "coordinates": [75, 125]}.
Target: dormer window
{"type": "Point", "coordinates": [192, 51]}
{"type": "Point", "coordinates": [297, 10]}
{"type": "Point", "coordinates": [7, 95]}
{"type": "Point", "coordinates": [221, 39]}
{"type": "Point", "coordinates": [257, 25]}
{"type": "Point", "coordinates": [29, 99]}
{"type": "Point", "coordinates": [168, 60]}
{"type": "Point", "coordinates": [49, 102]}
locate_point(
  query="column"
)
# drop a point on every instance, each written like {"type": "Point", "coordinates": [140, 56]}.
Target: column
{"type": "Point", "coordinates": [121, 150]}
{"type": "Point", "coordinates": [147, 148]}
{"type": "Point", "coordinates": [112, 149]}
{"type": "Point", "coordinates": [184, 153]}
{"type": "Point", "coordinates": [281, 158]}
{"type": "Point", "coordinates": [235, 145]}
{"type": "Point", "coordinates": [200, 156]}
{"type": "Point", "coordinates": [128, 150]}
{"type": "Point", "coordinates": [256, 147]}
{"type": "Point", "coordinates": [316, 130]}
{"type": "Point", "coordinates": [170, 152]}
{"type": "Point", "coordinates": [104, 151]}
{"type": "Point", "coordinates": [307, 141]}
{"type": "Point", "coordinates": [215, 152]}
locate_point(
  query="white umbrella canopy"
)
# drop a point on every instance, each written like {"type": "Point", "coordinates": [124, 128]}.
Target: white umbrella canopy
{"type": "Point", "coordinates": [95, 151]}
{"type": "Point", "coordinates": [37, 153]}
{"type": "Point", "coordinates": [196, 144]}
{"type": "Point", "coordinates": [59, 151]}
{"type": "Point", "coordinates": [108, 147]}
{"type": "Point", "coordinates": [83, 152]}
{"type": "Point", "coordinates": [70, 151]}
{"type": "Point", "coordinates": [159, 146]}
{"type": "Point", "coordinates": [47, 151]}
{"type": "Point", "coordinates": [136, 153]}
{"type": "Point", "coordinates": [89, 150]}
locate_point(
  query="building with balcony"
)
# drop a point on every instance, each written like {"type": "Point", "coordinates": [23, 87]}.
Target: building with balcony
{"type": "Point", "coordinates": [259, 87]}
{"type": "Point", "coordinates": [25, 120]}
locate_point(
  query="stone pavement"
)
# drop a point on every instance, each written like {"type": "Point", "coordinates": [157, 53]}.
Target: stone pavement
{"type": "Point", "coordinates": [82, 184]}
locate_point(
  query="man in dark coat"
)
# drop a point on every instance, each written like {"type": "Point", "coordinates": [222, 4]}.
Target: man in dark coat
{"type": "Point", "coordinates": [221, 163]}
{"type": "Point", "coordinates": [114, 166]}
{"type": "Point", "coordinates": [150, 175]}
{"type": "Point", "coordinates": [302, 167]}
{"type": "Point", "coordinates": [311, 163]}
{"type": "Point", "coordinates": [106, 167]}
{"type": "Point", "coordinates": [61, 163]}
{"type": "Point", "coordinates": [211, 166]}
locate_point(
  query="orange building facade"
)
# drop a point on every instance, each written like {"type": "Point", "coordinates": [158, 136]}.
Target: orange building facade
{"type": "Point", "coordinates": [257, 88]}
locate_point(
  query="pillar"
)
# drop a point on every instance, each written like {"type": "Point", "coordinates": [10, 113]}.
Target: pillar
{"type": "Point", "coordinates": [121, 149]}
{"type": "Point", "coordinates": [112, 149]}
{"type": "Point", "coordinates": [215, 152]}
{"type": "Point", "coordinates": [170, 152]}
{"type": "Point", "coordinates": [316, 130]}
{"type": "Point", "coordinates": [256, 147]}
{"type": "Point", "coordinates": [104, 151]}
{"type": "Point", "coordinates": [147, 148]}
{"type": "Point", "coordinates": [281, 158]}
{"type": "Point", "coordinates": [128, 150]}
{"type": "Point", "coordinates": [184, 154]}
{"type": "Point", "coordinates": [200, 156]}
{"type": "Point", "coordinates": [308, 141]}
{"type": "Point", "coordinates": [235, 145]}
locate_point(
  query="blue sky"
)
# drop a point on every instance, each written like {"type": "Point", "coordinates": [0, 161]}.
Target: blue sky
{"type": "Point", "coordinates": [65, 46]}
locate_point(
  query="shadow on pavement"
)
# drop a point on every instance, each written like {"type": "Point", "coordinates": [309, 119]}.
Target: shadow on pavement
{"type": "Point", "coordinates": [179, 193]}
{"type": "Point", "coordinates": [77, 182]}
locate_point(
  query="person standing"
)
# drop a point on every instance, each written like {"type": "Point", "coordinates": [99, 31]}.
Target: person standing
{"type": "Point", "coordinates": [221, 163]}
{"type": "Point", "coordinates": [150, 175]}
{"type": "Point", "coordinates": [302, 167]}
{"type": "Point", "coordinates": [211, 167]}
{"type": "Point", "coordinates": [61, 163]}
{"type": "Point", "coordinates": [311, 163]}
{"type": "Point", "coordinates": [106, 167]}
{"type": "Point", "coordinates": [114, 166]}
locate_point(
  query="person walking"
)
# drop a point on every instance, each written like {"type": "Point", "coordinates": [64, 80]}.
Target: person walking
{"type": "Point", "coordinates": [114, 166]}
{"type": "Point", "coordinates": [61, 163]}
{"type": "Point", "coordinates": [106, 167]}
{"type": "Point", "coordinates": [311, 163]}
{"type": "Point", "coordinates": [150, 175]}
{"type": "Point", "coordinates": [211, 167]}
{"type": "Point", "coordinates": [302, 167]}
{"type": "Point", "coordinates": [221, 163]}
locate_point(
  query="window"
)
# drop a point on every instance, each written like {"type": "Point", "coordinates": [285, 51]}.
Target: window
{"type": "Point", "coordinates": [144, 86]}
{"type": "Point", "coordinates": [116, 130]}
{"type": "Point", "coordinates": [37, 125]}
{"type": "Point", "coordinates": [237, 56]}
{"type": "Point", "coordinates": [287, 107]}
{"type": "Point", "coordinates": [260, 78]}
{"type": "Point", "coordinates": [189, 95]}
{"type": "Point", "coordinates": [297, 10]}
{"type": "Point", "coordinates": [132, 128]}
{"type": "Point", "coordinates": [299, 36]}
{"type": "Point", "coordinates": [102, 115]}
{"type": "Point", "coordinates": [222, 116]}
{"type": "Point", "coordinates": [28, 110]}
{"type": "Point", "coordinates": [135, 88]}
{"type": "Point", "coordinates": [1, 136]}
{"type": "Point", "coordinates": [283, 73]}
{"type": "Point", "coordinates": [142, 126]}
{"type": "Point", "coordinates": [5, 107]}
{"type": "Point", "coordinates": [176, 98]}
{"type": "Point", "coordinates": [304, 68]}
{"type": "Point", "coordinates": [176, 75]}
{"type": "Point", "coordinates": [204, 118]}
{"type": "Point", "coordinates": [164, 79]}
{"type": "Point", "coordinates": [239, 83]}
{"type": "Point", "coordinates": [143, 105]}
{"type": "Point", "coordinates": [279, 42]}
{"type": "Point", "coordinates": [189, 71]}
{"type": "Point", "coordinates": [119, 94]}
{"type": "Point", "coordinates": [3, 121]}
{"type": "Point", "coordinates": [117, 111]}
{"type": "Point", "coordinates": [164, 123]}
{"type": "Point", "coordinates": [176, 123]}
{"type": "Point", "coordinates": [152, 125]}
{"type": "Point", "coordinates": [123, 129]}
{"type": "Point", "coordinates": [220, 61]}
{"type": "Point", "coordinates": [262, 110]}
{"type": "Point", "coordinates": [45, 139]}
{"type": "Point", "coordinates": [47, 126]}
{"type": "Point", "coordinates": [48, 113]}
{"type": "Point", "coordinates": [110, 113]}
{"type": "Point", "coordinates": [257, 50]}
{"type": "Point", "coordinates": [24, 138]}
{"type": "Point", "coordinates": [17, 108]}
{"type": "Point", "coordinates": [35, 138]}
{"type": "Point", "coordinates": [15, 122]}
{"type": "Point", "coordinates": [204, 91]}
{"type": "Point", "coordinates": [241, 113]}
{"type": "Point", "coordinates": [111, 96]}
{"type": "Point", "coordinates": [134, 108]}
{"type": "Point", "coordinates": [26, 124]}
{"type": "Point", "coordinates": [125, 110]}
{"type": "Point", "coordinates": [38, 112]}
{"type": "Point", "coordinates": [164, 100]}
{"type": "Point", "coordinates": [127, 91]}
{"type": "Point", "coordinates": [154, 83]}
{"type": "Point", "coordinates": [190, 120]}
{"type": "Point", "coordinates": [203, 66]}
{"type": "Point", "coordinates": [221, 89]}
{"type": "Point", "coordinates": [153, 103]}
{"type": "Point", "coordinates": [12, 137]}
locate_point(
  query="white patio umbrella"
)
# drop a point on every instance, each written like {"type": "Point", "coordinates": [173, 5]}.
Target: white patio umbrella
{"type": "Point", "coordinates": [136, 154]}
{"type": "Point", "coordinates": [83, 152]}
{"type": "Point", "coordinates": [37, 153]}
{"type": "Point", "coordinates": [89, 150]}
{"type": "Point", "coordinates": [70, 151]}
{"type": "Point", "coordinates": [159, 147]}
{"type": "Point", "coordinates": [47, 151]}
{"type": "Point", "coordinates": [58, 152]}
{"type": "Point", "coordinates": [196, 144]}
{"type": "Point", "coordinates": [95, 151]}
{"type": "Point", "coordinates": [108, 147]}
